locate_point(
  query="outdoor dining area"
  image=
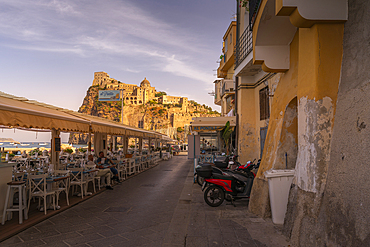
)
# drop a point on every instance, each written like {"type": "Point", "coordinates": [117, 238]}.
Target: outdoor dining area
{"type": "Point", "coordinates": [33, 187]}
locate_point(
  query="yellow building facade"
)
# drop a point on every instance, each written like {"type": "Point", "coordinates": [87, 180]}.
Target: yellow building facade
{"type": "Point", "coordinates": [224, 86]}
{"type": "Point", "coordinates": [295, 52]}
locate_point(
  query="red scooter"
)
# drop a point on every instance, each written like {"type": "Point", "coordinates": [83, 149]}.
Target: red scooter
{"type": "Point", "coordinates": [229, 186]}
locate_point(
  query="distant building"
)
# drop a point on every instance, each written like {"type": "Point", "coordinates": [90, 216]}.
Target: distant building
{"type": "Point", "coordinates": [136, 95]}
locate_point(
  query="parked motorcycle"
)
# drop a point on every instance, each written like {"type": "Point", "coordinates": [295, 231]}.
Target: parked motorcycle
{"type": "Point", "coordinates": [228, 185]}
{"type": "Point", "coordinates": [223, 166]}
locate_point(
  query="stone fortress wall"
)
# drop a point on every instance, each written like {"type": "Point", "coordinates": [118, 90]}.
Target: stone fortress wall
{"type": "Point", "coordinates": [136, 95]}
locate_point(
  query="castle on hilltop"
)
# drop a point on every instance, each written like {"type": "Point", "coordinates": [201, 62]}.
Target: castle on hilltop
{"type": "Point", "coordinates": [136, 95]}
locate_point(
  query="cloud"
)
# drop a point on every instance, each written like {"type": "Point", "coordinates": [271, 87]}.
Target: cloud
{"type": "Point", "coordinates": [92, 28]}
{"type": "Point", "coordinates": [132, 70]}
{"type": "Point", "coordinates": [180, 68]}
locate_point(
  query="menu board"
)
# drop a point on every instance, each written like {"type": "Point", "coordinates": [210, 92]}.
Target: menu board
{"type": "Point", "coordinates": [57, 145]}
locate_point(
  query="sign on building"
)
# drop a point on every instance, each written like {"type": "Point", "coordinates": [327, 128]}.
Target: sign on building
{"type": "Point", "coordinates": [109, 95]}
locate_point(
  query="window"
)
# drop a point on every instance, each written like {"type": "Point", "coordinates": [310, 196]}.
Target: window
{"type": "Point", "coordinates": [141, 125]}
{"type": "Point", "coordinates": [264, 104]}
{"type": "Point", "coordinates": [225, 45]}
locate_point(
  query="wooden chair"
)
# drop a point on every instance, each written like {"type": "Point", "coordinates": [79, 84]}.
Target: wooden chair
{"type": "Point", "coordinates": [77, 178]}
{"type": "Point", "coordinates": [62, 185]}
{"type": "Point", "coordinates": [38, 188]}
{"type": "Point", "coordinates": [122, 171]}
{"type": "Point", "coordinates": [9, 207]}
{"type": "Point", "coordinates": [91, 176]}
{"type": "Point", "coordinates": [138, 164]}
{"type": "Point", "coordinates": [18, 176]}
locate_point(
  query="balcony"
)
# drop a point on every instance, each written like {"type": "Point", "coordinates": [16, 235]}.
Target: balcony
{"type": "Point", "coordinates": [244, 46]}
{"type": "Point", "coordinates": [254, 6]}
{"type": "Point", "coordinates": [227, 87]}
{"type": "Point", "coordinates": [221, 73]}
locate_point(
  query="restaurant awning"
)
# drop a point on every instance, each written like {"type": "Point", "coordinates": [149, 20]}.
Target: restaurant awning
{"type": "Point", "coordinates": [206, 124]}
{"type": "Point", "coordinates": [21, 112]}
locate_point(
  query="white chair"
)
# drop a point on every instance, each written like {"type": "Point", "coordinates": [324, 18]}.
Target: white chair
{"type": "Point", "coordinates": [121, 168]}
{"type": "Point", "coordinates": [38, 188]}
{"type": "Point", "coordinates": [138, 164]}
{"type": "Point", "coordinates": [22, 162]}
{"type": "Point", "coordinates": [18, 176]}
{"type": "Point", "coordinates": [77, 179]}
{"type": "Point", "coordinates": [62, 185]}
{"type": "Point", "coordinates": [90, 176]}
{"type": "Point", "coordinates": [130, 166]}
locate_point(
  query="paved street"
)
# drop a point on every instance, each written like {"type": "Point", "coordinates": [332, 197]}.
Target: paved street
{"type": "Point", "coordinates": [160, 207]}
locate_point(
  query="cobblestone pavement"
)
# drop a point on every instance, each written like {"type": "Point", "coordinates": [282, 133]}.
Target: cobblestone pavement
{"type": "Point", "coordinates": [160, 207]}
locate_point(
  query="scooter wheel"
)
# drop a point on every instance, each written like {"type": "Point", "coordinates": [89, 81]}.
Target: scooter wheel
{"type": "Point", "coordinates": [200, 180]}
{"type": "Point", "coordinates": [214, 196]}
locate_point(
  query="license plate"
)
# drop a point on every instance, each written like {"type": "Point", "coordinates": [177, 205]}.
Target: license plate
{"type": "Point", "coordinates": [204, 185]}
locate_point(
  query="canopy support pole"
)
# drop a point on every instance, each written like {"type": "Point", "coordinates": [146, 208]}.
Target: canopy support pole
{"type": "Point", "coordinates": [89, 142]}
{"type": "Point", "coordinates": [54, 155]}
{"type": "Point", "coordinates": [140, 145]}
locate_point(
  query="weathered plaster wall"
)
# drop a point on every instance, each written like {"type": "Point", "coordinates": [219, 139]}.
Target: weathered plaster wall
{"type": "Point", "coordinates": [285, 91]}
{"type": "Point", "coordinates": [343, 216]}
{"type": "Point", "coordinates": [320, 56]}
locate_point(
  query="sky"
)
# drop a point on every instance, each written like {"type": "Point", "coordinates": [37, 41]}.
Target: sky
{"type": "Point", "coordinates": [50, 49]}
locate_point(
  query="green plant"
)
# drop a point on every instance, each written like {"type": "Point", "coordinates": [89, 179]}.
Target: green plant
{"type": "Point", "coordinates": [179, 129]}
{"type": "Point", "coordinates": [34, 151]}
{"type": "Point", "coordinates": [244, 3]}
{"type": "Point", "coordinates": [68, 150]}
{"type": "Point", "coordinates": [160, 94]}
{"type": "Point", "coordinates": [82, 150]}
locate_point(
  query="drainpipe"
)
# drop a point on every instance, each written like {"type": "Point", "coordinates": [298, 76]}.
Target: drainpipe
{"type": "Point", "coordinates": [236, 77]}
{"type": "Point", "coordinates": [236, 114]}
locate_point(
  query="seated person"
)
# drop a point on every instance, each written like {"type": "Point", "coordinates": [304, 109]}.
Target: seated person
{"type": "Point", "coordinates": [24, 154]}
{"type": "Point", "coordinates": [106, 162]}
{"type": "Point", "coordinates": [45, 152]}
{"type": "Point", "coordinates": [102, 172]}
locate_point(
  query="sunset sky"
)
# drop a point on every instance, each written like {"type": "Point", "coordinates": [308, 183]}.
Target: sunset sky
{"type": "Point", "coordinates": [51, 49]}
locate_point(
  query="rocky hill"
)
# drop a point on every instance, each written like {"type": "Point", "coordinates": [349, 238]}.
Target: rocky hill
{"type": "Point", "coordinates": [165, 118]}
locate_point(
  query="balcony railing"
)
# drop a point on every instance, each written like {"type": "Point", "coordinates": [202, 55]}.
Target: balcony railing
{"type": "Point", "coordinates": [254, 5]}
{"type": "Point", "coordinates": [227, 87]}
{"type": "Point", "coordinates": [243, 46]}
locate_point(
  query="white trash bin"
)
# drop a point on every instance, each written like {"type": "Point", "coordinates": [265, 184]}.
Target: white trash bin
{"type": "Point", "coordinates": [279, 186]}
